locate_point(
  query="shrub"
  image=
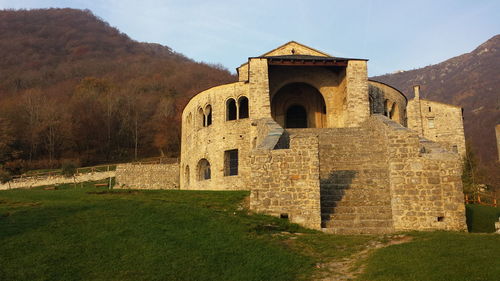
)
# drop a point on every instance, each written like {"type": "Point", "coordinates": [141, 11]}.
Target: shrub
{"type": "Point", "coordinates": [481, 218]}
{"type": "Point", "coordinates": [5, 176]}
{"type": "Point", "coordinates": [68, 169]}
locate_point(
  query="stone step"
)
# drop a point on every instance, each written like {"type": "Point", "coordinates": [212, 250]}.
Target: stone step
{"type": "Point", "coordinates": [358, 209]}
{"type": "Point", "coordinates": [350, 230]}
{"type": "Point", "coordinates": [354, 217]}
{"type": "Point", "coordinates": [358, 224]}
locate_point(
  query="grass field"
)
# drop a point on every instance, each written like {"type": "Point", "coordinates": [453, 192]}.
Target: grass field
{"type": "Point", "coordinates": [95, 234]}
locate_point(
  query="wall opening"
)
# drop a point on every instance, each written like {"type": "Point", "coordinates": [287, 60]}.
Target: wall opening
{"type": "Point", "coordinates": [189, 119]}
{"type": "Point", "coordinates": [230, 110]}
{"type": "Point", "coordinates": [430, 123]}
{"type": "Point", "coordinates": [201, 117]}
{"type": "Point", "coordinates": [296, 117]}
{"type": "Point", "coordinates": [204, 172]}
{"type": "Point", "coordinates": [243, 107]}
{"type": "Point", "coordinates": [299, 105]}
{"type": "Point", "coordinates": [231, 162]}
{"type": "Point", "coordinates": [186, 176]}
{"type": "Point", "coordinates": [208, 114]}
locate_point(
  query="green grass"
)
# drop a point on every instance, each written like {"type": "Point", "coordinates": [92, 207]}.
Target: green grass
{"type": "Point", "coordinates": [481, 218]}
{"type": "Point", "coordinates": [89, 233]}
{"type": "Point", "coordinates": [94, 234]}
{"type": "Point", "coordinates": [437, 256]}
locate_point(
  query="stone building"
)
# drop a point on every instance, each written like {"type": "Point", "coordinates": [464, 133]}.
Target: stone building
{"type": "Point", "coordinates": [318, 143]}
{"type": "Point", "coordinates": [438, 122]}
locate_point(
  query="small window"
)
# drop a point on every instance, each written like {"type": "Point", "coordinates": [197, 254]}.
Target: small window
{"type": "Point", "coordinates": [208, 114]}
{"type": "Point", "coordinates": [186, 176]}
{"type": "Point", "coordinates": [231, 162]}
{"type": "Point", "coordinates": [392, 112]}
{"type": "Point", "coordinates": [201, 117]}
{"type": "Point", "coordinates": [189, 119]}
{"type": "Point", "coordinates": [454, 148]}
{"type": "Point", "coordinates": [204, 172]}
{"type": "Point", "coordinates": [430, 123]}
{"type": "Point", "coordinates": [243, 107]}
{"type": "Point", "coordinates": [230, 110]}
{"type": "Point", "coordinates": [430, 110]}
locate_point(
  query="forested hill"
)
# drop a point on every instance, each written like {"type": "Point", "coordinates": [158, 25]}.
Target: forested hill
{"type": "Point", "coordinates": [471, 81]}
{"type": "Point", "coordinates": [72, 86]}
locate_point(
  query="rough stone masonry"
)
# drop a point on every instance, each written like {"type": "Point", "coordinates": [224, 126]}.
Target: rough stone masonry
{"type": "Point", "coordinates": [316, 142]}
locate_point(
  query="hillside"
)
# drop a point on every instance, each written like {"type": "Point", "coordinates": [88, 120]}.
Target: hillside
{"type": "Point", "coordinates": [471, 81]}
{"type": "Point", "coordinates": [72, 86]}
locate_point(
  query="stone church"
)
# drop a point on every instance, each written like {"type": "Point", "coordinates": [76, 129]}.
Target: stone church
{"type": "Point", "coordinates": [316, 142]}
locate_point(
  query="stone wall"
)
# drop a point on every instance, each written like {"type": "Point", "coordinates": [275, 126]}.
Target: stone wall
{"type": "Point", "coordinates": [30, 182]}
{"type": "Point", "coordinates": [358, 109]}
{"type": "Point", "coordinates": [285, 182]}
{"type": "Point", "coordinates": [426, 186]}
{"type": "Point", "coordinates": [210, 142]}
{"type": "Point", "coordinates": [438, 122]}
{"type": "Point", "coordinates": [147, 176]}
{"type": "Point", "coordinates": [388, 101]}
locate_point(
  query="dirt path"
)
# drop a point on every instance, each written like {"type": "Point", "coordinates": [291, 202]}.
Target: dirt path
{"type": "Point", "coordinates": [349, 268]}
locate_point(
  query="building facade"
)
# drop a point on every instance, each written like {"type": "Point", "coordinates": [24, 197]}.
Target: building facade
{"type": "Point", "coordinates": [318, 143]}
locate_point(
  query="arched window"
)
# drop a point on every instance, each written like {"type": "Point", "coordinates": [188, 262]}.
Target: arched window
{"type": "Point", "coordinates": [230, 110]}
{"type": "Point", "coordinates": [243, 107]}
{"type": "Point", "coordinates": [201, 117]}
{"type": "Point", "coordinates": [392, 112]}
{"type": "Point", "coordinates": [204, 172]}
{"type": "Point", "coordinates": [186, 176]}
{"type": "Point", "coordinates": [386, 108]}
{"type": "Point", "coordinates": [208, 114]}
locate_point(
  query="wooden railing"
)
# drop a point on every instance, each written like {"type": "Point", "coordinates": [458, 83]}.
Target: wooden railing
{"type": "Point", "coordinates": [79, 171]}
{"type": "Point", "coordinates": [157, 160]}
{"type": "Point", "coordinates": [482, 198]}
{"type": "Point", "coordinates": [97, 169]}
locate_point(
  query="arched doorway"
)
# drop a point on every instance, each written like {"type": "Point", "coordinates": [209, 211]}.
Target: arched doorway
{"type": "Point", "coordinates": [296, 117]}
{"type": "Point", "coordinates": [299, 105]}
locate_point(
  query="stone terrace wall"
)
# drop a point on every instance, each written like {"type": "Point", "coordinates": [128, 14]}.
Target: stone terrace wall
{"type": "Point", "coordinates": [147, 176]}
{"type": "Point", "coordinates": [286, 181]}
{"type": "Point", "coordinates": [426, 188]}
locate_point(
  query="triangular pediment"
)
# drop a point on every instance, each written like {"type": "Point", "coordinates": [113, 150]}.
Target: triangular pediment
{"type": "Point", "coordinates": [294, 48]}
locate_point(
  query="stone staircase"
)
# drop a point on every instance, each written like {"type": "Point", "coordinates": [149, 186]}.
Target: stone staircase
{"type": "Point", "coordinates": [355, 195]}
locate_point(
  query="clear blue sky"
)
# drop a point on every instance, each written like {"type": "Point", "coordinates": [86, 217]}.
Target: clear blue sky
{"type": "Point", "coordinates": [393, 35]}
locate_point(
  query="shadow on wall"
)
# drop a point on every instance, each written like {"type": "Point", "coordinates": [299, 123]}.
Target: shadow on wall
{"type": "Point", "coordinates": [283, 142]}
{"type": "Point", "coordinates": [332, 190]}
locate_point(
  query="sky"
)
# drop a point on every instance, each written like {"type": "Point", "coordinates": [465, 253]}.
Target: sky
{"type": "Point", "coordinates": [393, 35]}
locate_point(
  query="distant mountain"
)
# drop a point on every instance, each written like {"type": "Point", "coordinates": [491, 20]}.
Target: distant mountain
{"type": "Point", "coordinates": [108, 96]}
{"type": "Point", "coordinates": [471, 81]}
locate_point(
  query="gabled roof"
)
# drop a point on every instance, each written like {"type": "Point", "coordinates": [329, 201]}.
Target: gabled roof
{"type": "Point", "coordinates": [294, 51]}
{"type": "Point", "coordinates": [301, 48]}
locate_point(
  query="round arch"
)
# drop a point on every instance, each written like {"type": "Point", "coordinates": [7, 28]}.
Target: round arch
{"type": "Point", "coordinates": [299, 105]}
